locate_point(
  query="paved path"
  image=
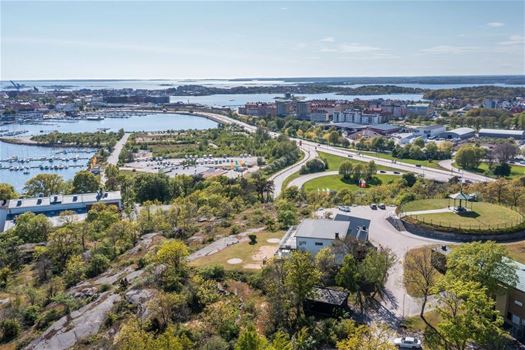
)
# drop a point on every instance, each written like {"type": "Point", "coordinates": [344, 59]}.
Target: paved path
{"type": "Point", "coordinates": [222, 243]}
{"type": "Point", "coordinates": [113, 157]}
{"type": "Point", "coordinates": [398, 304]}
{"type": "Point", "coordinates": [279, 177]}
{"type": "Point", "coordinates": [430, 211]}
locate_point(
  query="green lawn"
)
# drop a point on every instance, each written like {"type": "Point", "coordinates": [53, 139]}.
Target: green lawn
{"type": "Point", "coordinates": [334, 162]}
{"type": "Point", "coordinates": [515, 170]}
{"type": "Point", "coordinates": [427, 163]}
{"type": "Point", "coordinates": [290, 178]}
{"type": "Point", "coordinates": [242, 250]}
{"type": "Point", "coordinates": [336, 183]}
{"type": "Point", "coordinates": [484, 216]}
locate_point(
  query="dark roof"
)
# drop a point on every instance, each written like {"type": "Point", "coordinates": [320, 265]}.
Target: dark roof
{"type": "Point", "coordinates": [384, 127]}
{"type": "Point", "coordinates": [329, 296]}
{"type": "Point", "coordinates": [358, 228]}
{"type": "Point", "coordinates": [348, 125]}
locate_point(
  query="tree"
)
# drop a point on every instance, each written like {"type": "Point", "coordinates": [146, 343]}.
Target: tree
{"type": "Point", "coordinates": [7, 191]}
{"type": "Point", "coordinates": [172, 254]}
{"type": "Point", "coordinates": [346, 170]}
{"type": "Point", "coordinates": [409, 179]}
{"type": "Point", "coordinates": [467, 314]}
{"type": "Point", "coordinates": [363, 337]}
{"type": "Point", "coordinates": [431, 150]}
{"type": "Point", "coordinates": [326, 263]}
{"type": "Point", "coordinates": [505, 151]}
{"type": "Point", "coordinates": [150, 187]}
{"type": "Point", "coordinates": [371, 169]}
{"type": "Point", "coordinates": [333, 137]}
{"type": "Point", "coordinates": [45, 185]}
{"type": "Point", "coordinates": [486, 263]}
{"type": "Point", "coordinates": [301, 277]}
{"type": "Point", "coordinates": [112, 177]}
{"type": "Point", "coordinates": [32, 228]}
{"type": "Point", "coordinates": [250, 340]}
{"type": "Point", "coordinates": [75, 270]}
{"type": "Point", "coordinates": [502, 169]}
{"type": "Point", "coordinates": [469, 157]}
{"type": "Point", "coordinates": [62, 244]}
{"type": "Point", "coordinates": [421, 276]}
{"type": "Point", "coordinates": [262, 186]}
{"type": "Point", "coordinates": [85, 182]}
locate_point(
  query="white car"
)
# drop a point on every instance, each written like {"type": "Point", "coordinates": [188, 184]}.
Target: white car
{"type": "Point", "coordinates": [407, 343]}
{"type": "Point", "coordinates": [344, 208]}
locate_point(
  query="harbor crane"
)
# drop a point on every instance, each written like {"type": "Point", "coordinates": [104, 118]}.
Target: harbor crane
{"type": "Point", "coordinates": [17, 86]}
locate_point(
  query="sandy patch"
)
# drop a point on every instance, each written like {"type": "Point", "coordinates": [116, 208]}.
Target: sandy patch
{"type": "Point", "coordinates": [273, 240]}
{"type": "Point", "coordinates": [252, 266]}
{"type": "Point", "coordinates": [264, 252]}
{"type": "Point", "coordinates": [234, 261]}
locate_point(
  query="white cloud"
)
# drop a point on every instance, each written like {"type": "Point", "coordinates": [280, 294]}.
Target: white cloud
{"type": "Point", "coordinates": [514, 40]}
{"type": "Point", "coordinates": [448, 49]}
{"type": "Point", "coordinates": [328, 39]}
{"type": "Point", "coordinates": [495, 24]}
{"type": "Point", "coordinates": [351, 48]}
{"type": "Point", "coordinates": [284, 8]}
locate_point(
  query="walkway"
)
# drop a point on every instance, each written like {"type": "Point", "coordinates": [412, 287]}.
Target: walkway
{"type": "Point", "coordinates": [430, 211]}
{"type": "Point", "coordinates": [113, 157]}
{"type": "Point", "coordinates": [279, 177]}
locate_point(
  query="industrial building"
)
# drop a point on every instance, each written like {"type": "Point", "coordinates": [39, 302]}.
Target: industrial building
{"type": "Point", "coordinates": [54, 205]}
{"type": "Point", "coordinates": [458, 134]}
{"type": "Point", "coordinates": [502, 133]}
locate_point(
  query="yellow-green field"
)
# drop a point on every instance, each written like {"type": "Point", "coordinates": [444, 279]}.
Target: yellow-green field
{"type": "Point", "coordinates": [336, 183]}
{"type": "Point", "coordinates": [244, 251]}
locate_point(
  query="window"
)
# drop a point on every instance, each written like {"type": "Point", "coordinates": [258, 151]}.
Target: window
{"type": "Point", "coordinates": [302, 242]}
{"type": "Point", "coordinates": [519, 303]}
{"type": "Point", "coordinates": [318, 243]}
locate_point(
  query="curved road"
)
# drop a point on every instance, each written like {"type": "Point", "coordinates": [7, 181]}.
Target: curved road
{"type": "Point", "coordinates": [310, 148]}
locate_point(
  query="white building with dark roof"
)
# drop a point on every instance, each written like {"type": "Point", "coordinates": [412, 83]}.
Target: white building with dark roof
{"type": "Point", "coordinates": [312, 235]}
{"type": "Point", "coordinates": [54, 205]}
{"type": "Point", "coordinates": [502, 133]}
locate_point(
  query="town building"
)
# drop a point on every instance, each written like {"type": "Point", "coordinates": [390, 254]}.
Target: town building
{"type": "Point", "coordinates": [258, 109]}
{"type": "Point", "coordinates": [302, 109]}
{"type": "Point", "coordinates": [312, 235]}
{"type": "Point", "coordinates": [429, 131]}
{"type": "Point", "coordinates": [511, 303]}
{"type": "Point", "coordinates": [54, 205]}
{"type": "Point", "coordinates": [502, 133]}
{"type": "Point", "coordinates": [283, 108]}
{"type": "Point", "coordinates": [421, 108]}
{"type": "Point", "coordinates": [358, 117]}
{"type": "Point", "coordinates": [458, 134]}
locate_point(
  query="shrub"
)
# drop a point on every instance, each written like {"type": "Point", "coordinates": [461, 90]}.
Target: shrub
{"type": "Point", "coordinates": [214, 272]}
{"type": "Point", "coordinates": [97, 264]}
{"type": "Point", "coordinates": [30, 315]}
{"type": "Point", "coordinates": [10, 329]}
{"type": "Point", "coordinates": [253, 239]}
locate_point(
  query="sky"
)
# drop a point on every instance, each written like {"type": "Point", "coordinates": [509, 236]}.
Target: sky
{"type": "Point", "coordinates": [234, 39]}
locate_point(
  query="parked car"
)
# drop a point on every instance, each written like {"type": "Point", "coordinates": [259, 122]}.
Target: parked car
{"type": "Point", "coordinates": [382, 206]}
{"type": "Point", "coordinates": [349, 156]}
{"type": "Point", "coordinates": [344, 208]}
{"type": "Point", "coordinates": [407, 343]}
{"type": "Point", "coordinates": [397, 172]}
{"type": "Point", "coordinates": [418, 165]}
{"type": "Point", "coordinates": [373, 206]}
{"type": "Point", "coordinates": [382, 171]}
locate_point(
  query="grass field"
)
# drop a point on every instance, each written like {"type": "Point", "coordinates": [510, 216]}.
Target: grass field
{"type": "Point", "coordinates": [515, 170]}
{"type": "Point", "coordinates": [242, 250]}
{"type": "Point", "coordinates": [336, 183]}
{"type": "Point", "coordinates": [483, 216]}
{"type": "Point", "coordinates": [427, 163]}
{"type": "Point", "coordinates": [334, 162]}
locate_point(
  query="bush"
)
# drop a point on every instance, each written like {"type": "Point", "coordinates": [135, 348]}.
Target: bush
{"type": "Point", "coordinates": [502, 169]}
{"type": "Point", "coordinates": [9, 329]}
{"type": "Point", "coordinates": [213, 272]}
{"type": "Point", "coordinates": [313, 166]}
{"type": "Point", "coordinates": [30, 315]}
{"type": "Point", "coordinates": [253, 239]}
{"type": "Point", "coordinates": [97, 264]}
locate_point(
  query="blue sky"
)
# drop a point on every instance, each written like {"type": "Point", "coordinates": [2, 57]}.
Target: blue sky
{"type": "Point", "coordinates": [147, 40]}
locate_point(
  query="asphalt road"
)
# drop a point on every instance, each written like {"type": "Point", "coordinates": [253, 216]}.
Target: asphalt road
{"type": "Point", "coordinates": [429, 173]}
{"type": "Point", "coordinates": [383, 234]}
